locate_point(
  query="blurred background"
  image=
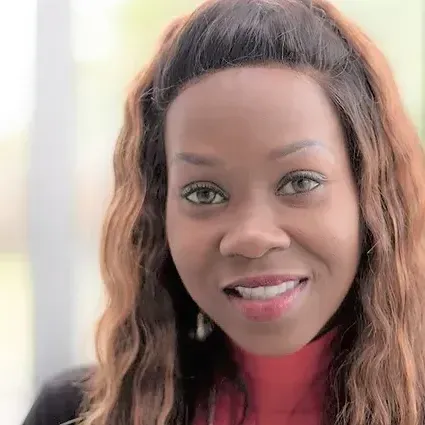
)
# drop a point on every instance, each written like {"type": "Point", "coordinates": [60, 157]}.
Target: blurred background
{"type": "Point", "coordinates": [65, 68]}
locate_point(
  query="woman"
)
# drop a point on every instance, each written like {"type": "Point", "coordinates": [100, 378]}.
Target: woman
{"type": "Point", "coordinates": [263, 251]}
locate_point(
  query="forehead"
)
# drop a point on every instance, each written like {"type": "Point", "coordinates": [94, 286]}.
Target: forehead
{"type": "Point", "coordinates": [254, 107]}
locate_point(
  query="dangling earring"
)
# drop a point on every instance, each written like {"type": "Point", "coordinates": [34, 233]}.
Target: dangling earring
{"type": "Point", "coordinates": [204, 327]}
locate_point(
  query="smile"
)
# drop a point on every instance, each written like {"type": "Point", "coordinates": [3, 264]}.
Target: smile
{"type": "Point", "coordinates": [266, 292]}
{"type": "Point", "coordinates": [265, 298]}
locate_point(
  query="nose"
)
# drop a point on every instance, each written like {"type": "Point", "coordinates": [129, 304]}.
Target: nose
{"type": "Point", "coordinates": [254, 235]}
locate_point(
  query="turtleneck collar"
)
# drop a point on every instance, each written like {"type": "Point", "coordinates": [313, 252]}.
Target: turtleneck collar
{"type": "Point", "coordinates": [291, 382]}
{"type": "Point", "coordinates": [281, 390]}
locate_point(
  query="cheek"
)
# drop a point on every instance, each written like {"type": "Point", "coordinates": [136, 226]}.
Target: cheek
{"type": "Point", "coordinates": [191, 245]}
{"type": "Point", "coordinates": [334, 237]}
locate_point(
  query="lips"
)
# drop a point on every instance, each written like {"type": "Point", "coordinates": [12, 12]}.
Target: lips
{"type": "Point", "coordinates": [263, 287]}
{"type": "Point", "coordinates": [266, 298]}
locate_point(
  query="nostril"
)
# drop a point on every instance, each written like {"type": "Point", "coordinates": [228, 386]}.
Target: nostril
{"type": "Point", "coordinates": [253, 241]}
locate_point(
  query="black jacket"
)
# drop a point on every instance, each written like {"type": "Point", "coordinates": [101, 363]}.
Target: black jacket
{"type": "Point", "coordinates": [59, 400]}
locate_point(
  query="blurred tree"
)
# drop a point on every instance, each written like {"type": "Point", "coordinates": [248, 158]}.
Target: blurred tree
{"type": "Point", "coordinates": [140, 24]}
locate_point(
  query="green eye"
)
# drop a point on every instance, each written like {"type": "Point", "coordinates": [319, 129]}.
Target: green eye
{"type": "Point", "coordinates": [300, 182]}
{"type": "Point", "coordinates": [204, 193]}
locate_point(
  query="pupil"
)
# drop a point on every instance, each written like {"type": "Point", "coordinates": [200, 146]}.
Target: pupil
{"type": "Point", "coordinates": [302, 183]}
{"type": "Point", "coordinates": [204, 195]}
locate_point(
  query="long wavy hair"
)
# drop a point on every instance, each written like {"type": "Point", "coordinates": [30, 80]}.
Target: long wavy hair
{"type": "Point", "coordinates": [149, 371]}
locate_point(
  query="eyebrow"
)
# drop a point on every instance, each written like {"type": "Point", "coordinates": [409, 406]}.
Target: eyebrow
{"type": "Point", "coordinates": [211, 161]}
{"type": "Point", "coordinates": [295, 147]}
{"type": "Point", "coordinates": [196, 159]}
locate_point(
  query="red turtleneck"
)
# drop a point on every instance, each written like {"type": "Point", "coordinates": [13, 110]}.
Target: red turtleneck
{"type": "Point", "coordinates": [284, 390]}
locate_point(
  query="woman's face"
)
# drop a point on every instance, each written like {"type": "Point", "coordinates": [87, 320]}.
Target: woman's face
{"type": "Point", "coordinates": [262, 209]}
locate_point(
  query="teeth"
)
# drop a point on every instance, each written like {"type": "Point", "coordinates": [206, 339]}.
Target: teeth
{"type": "Point", "coordinates": [266, 292]}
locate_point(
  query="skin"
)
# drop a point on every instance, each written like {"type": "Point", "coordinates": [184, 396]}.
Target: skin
{"type": "Point", "coordinates": [246, 132]}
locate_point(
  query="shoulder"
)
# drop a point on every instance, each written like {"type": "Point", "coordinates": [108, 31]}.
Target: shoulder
{"type": "Point", "coordinates": [60, 398]}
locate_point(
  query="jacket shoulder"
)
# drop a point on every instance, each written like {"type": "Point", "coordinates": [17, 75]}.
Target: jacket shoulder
{"type": "Point", "coordinates": [60, 398]}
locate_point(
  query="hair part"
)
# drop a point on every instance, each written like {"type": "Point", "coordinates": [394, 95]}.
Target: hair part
{"type": "Point", "coordinates": [150, 371]}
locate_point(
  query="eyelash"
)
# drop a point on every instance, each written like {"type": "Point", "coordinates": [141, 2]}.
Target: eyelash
{"type": "Point", "coordinates": [313, 176]}
{"type": "Point", "coordinates": [194, 188]}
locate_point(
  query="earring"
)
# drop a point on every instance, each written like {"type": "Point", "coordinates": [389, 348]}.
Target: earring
{"type": "Point", "coordinates": [204, 327]}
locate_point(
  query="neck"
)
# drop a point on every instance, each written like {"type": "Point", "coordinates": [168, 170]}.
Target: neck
{"type": "Point", "coordinates": [280, 389]}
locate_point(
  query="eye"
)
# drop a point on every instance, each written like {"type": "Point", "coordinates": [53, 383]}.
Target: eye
{"type": "Point", "coordinates": [300, 182]}
{"type": "Point", "coordinates": [203, 193]}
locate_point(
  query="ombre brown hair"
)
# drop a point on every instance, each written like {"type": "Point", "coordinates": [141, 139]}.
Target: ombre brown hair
{"type": "Point", "coordinates": [150, 372]}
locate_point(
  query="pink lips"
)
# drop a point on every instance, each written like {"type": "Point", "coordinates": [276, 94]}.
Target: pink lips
{"type": "Point", "coordinates": [265, 310]}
